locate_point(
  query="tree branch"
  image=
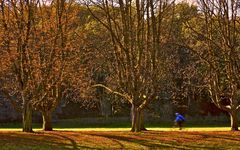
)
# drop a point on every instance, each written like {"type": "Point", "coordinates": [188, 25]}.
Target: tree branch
{"type": "Point", "coordinates": [114, 92]}
{"type": "Point", "coordinates": [11, 100]}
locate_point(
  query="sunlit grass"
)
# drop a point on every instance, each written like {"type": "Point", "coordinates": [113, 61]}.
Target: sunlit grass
{"type": "Point", "coordinates": [117, 124]}
{"type": "Point", "coordinates": [128, 129]}
{"type": "Point", "coordinates": [193, 129]}
{"type": "Point", "coordinates": [152, 129]}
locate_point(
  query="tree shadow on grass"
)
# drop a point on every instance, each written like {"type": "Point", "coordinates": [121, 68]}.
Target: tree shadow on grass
{"type": "Point", "coordinates": [74, 144]}
{"type": "Point", "coordinates": [37, 140]}
{"type": "Point", "coordinates": [219, 140]}
{"type": "Point", "coordinates": [122, 140]}
{"type": "Point", "coordinates": [230, 142]}
{"type": "Point", "coordinates": [78, 146]}
{"type": "Point", "coordinates": [140, 142]}
{"type": "Point", "coordinates": [156, 143]}
{"type": "Point", "coordinates": [15, 141]}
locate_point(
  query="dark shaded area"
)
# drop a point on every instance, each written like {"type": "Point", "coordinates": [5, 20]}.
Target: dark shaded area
{"type": "Point", "coordinates": [124, 122]}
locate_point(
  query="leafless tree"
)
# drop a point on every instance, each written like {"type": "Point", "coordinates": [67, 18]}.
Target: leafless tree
{"type": "Point", "coordinates": [138, 34]}
{"type": "Point", "coordinates": [218, 48]}
{"type": "Point", "coordinates": [36, 55]}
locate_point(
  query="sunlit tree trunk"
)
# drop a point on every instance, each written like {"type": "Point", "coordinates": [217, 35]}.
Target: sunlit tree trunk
{"type": "Point", "coordinates": [234, 120]}
{"type": "Point", "coordinates": [27, 117]}
{"type": "Point", "coordinates": [47, 120]}
{"type": "Point", "coordinates": [137, 119]}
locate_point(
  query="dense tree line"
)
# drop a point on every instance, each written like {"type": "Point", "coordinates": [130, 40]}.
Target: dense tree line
{"type": "Point", "coordinates": [132, 51]}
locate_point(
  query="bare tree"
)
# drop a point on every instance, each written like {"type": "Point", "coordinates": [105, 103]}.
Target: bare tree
{"type": "Point", "coordinates": [136, 29]}
{"type": "Point", "coordinates": [36, 55]}
{"type": "Point", "coordinates": [17, 19]}
{"type": "Point", "coordinates": [218, 48]}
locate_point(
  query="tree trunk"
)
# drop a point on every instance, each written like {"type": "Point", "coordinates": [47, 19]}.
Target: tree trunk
{"type": "Point", "coordinates": [47, 120]}
{"type": "Point", "coordinates": [27, 117]}
{"type": "Point", "coordinates": [137, 119]}
{"type": "Point", "coordinates": [106, 106]}
{"type": "Point", "coordinates": [142, 127]}
{"type": "Point", "coordinates": [234, 120]}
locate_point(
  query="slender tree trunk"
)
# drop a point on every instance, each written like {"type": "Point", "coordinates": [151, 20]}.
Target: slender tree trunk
{"type": "Point", "coordinates": [234, 120]}
{"type": "Point", "coordinates": [27, 117]}
{"type": "Point", "coordinates": [47, 120]}
{"type": "Point", "coordinates": [106, 107]}
{"type": "Point", "coordinates": [137, 119]}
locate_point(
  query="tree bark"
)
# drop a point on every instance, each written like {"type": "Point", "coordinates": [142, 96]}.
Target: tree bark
{"type": "Point", "coordinates": [142, 126]}
{"type": "Point", "coordinates": [234, 120]}
{"type": "Point", "coordinates": [137, 119]}
{"type": "Point", "coordinates": [27, 117]}
{"type": "Point", "coordinates": [47, 120]}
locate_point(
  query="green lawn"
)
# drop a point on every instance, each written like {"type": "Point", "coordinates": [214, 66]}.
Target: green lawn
{"type": "Point", "coordinates": [118, 122]}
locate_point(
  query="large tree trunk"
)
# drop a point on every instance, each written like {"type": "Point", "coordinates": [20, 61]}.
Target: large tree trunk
{"type": "Point", "coordinates": [137, 119]}
{"type": "Point", "coordinates": [27, 117]}
{"type": "Point", "coordinates": [142, 126]}
{"type": "Point", "coordinates": [234, 120]}
{"type": "Point", "coordinates": [47, 120]}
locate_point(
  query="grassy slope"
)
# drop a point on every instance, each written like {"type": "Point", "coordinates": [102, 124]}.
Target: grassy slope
{"type": "Point", "coordinates": [120, 140]}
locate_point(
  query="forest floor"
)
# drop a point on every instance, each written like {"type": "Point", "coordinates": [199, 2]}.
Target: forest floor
{"type": "Point", "coordinates": [188, 138]}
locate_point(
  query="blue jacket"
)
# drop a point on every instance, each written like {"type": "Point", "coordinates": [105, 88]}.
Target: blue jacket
{"type": "Point", "coordinates": [179, 118]}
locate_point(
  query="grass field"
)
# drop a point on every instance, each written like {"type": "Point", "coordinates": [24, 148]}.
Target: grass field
{"type": "Point", "coordinates": [201, 129]}
{"type": "Point", "coordinates": [114, 133]}
{"type": "Point", "coordinates": [155, 138]}
{"type": "Point", "coordinates": [118, 122]}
